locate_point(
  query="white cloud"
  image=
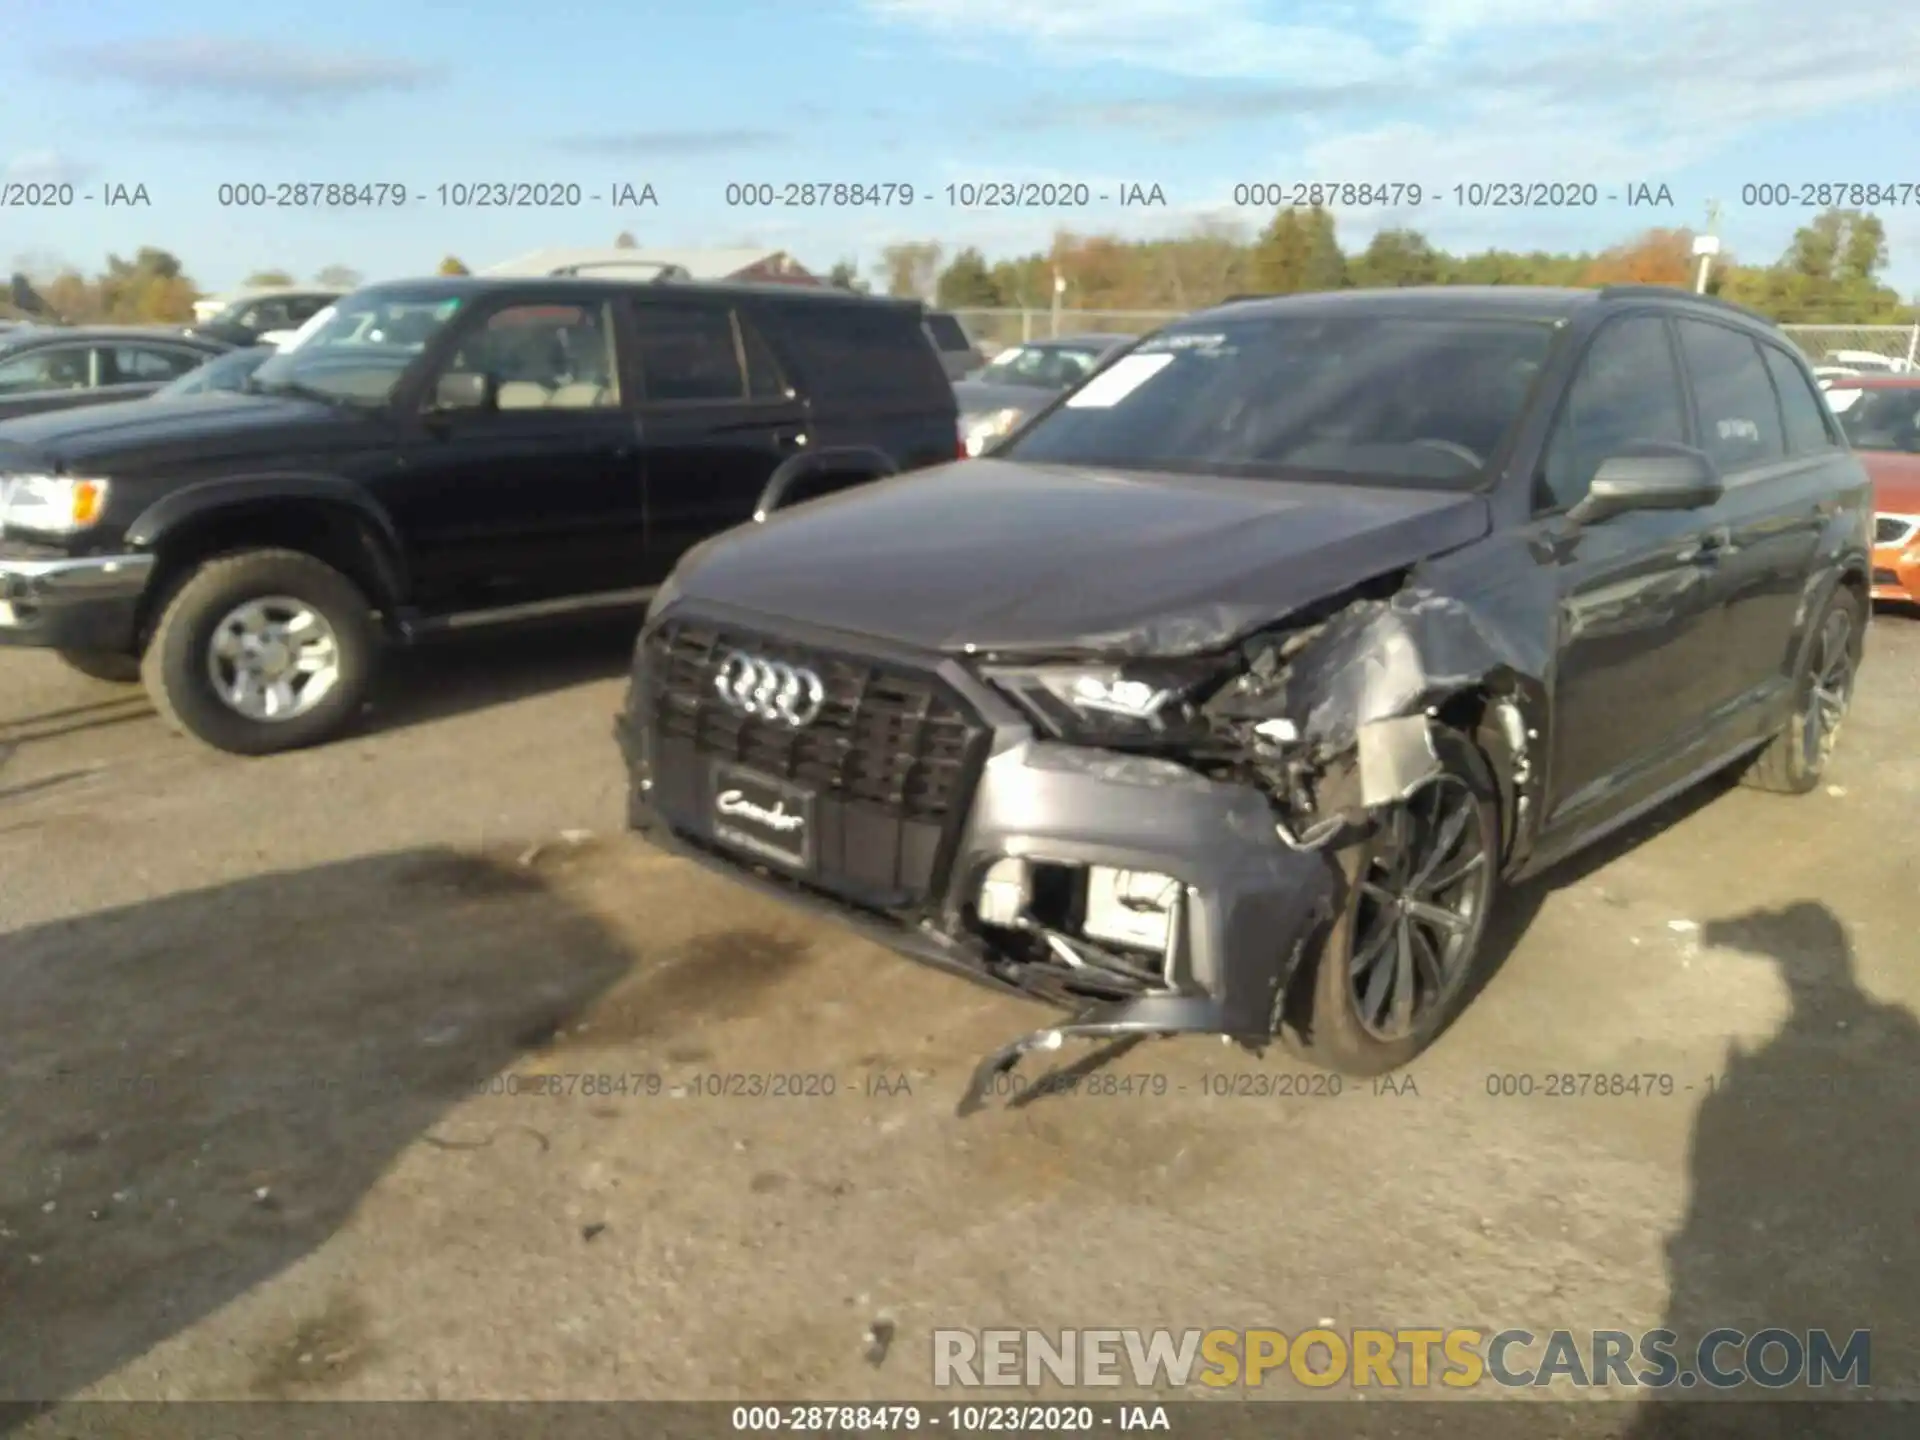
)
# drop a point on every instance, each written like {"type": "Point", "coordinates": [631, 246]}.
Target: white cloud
{"type": "Point", "coordinates": [46, 167]}
{"type": "Point", "coordinates": [1228, 38]}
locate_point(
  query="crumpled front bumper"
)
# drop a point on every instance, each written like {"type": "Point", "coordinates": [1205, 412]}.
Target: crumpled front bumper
{"type": "Point", "coordinates": [1249, 902]}
{"type": "Point", "coordinates": [66, 603]}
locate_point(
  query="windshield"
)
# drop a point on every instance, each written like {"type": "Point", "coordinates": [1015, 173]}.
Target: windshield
{"type": "Point", "coordinates": [1879, 419]}
{"type": "Point", "coordinates": [1050, 367]}
{"type": "Point", "coordinates": [356, 350]}
{"type": "Point", "coordinates": [224, 372]}
{"type": "Point", "coordinates": [1376, 397]}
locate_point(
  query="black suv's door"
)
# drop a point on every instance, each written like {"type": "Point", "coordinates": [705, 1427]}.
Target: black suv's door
{"type": "Point", "coordinates": [716, 418]}
{"type": "Point", "coordinates": [1636, 625]}
{"type": "Point", "coordinates": [1759, 418]}
{"type": "Point", "coordinates": [519, 478]}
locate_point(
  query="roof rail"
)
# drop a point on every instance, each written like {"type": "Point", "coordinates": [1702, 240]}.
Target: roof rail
{"type": "Point", "coordinates": [1674, 292]}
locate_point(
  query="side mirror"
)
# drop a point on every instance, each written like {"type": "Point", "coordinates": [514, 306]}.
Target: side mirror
{"type": "Point", "coordinates": [1653, 475]}
{"type": "Point", "coordinates": [460, 390]}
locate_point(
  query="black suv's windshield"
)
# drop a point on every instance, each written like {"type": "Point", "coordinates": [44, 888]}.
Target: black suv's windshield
{"type": "Point", "coordinates": [1386, 398]}
{"type": "Point", "coordinates": [355, 351]}
{"type": "Point", "coordinates": [1878, 419]}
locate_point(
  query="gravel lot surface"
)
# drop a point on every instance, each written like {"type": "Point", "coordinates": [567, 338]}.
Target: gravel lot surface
{"type": "Point", "coordinates": [260, 1021]}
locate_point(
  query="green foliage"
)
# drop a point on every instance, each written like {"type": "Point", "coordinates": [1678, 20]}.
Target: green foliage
{"type": "Point", "coordinates": [452, 266]}
{"type": "Point", "coordinates": [967, 283]}
{"type": "Point", "coordinates": [1829, 274]}
{"type": "Point", "coordinates": [266, 279]}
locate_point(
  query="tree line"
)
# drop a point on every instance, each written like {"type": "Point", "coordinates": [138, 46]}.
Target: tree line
{"type": "Point", "coordinates": [1831, 272]}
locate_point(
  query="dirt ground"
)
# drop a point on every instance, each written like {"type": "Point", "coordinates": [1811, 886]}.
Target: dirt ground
{"type": "Point", "coordinates": [260, 1022]}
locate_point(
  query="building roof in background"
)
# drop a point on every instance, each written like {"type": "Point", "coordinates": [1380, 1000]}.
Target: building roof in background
{"type": "Point", "coordinates": [718, 264]}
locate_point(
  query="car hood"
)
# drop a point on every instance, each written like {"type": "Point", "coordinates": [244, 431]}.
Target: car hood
{"type": "Point", "coordinates": [1004, 557]}
{"type": "Point", "coordinates": [137, 434]}
{"type": "Point", "coordinates": [977, 397]}
{"type": "Point", "coordinates": [1896, 480]}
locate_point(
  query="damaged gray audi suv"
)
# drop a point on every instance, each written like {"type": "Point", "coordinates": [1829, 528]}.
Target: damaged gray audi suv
{"type": "Point", "coordinates": [1226, 693]}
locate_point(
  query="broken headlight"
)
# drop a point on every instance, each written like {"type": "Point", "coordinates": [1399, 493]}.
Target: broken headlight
{"type": "Point", "coordinates": [1146, 703]}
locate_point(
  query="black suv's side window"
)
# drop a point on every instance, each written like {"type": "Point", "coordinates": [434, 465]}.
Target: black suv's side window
{"type": "Point", "coordinates": [1627, 389]}
{"type": "Point", "coordinates": [1739, 418]}
{"type": "Point", "coordinates": [53, 367]}
{"type": "Point", "coordinates": [1800, 408]}
{"type": "Point", "coordinates": [687, 352]}
{"type": "Point", "coordinates": [545, 357]}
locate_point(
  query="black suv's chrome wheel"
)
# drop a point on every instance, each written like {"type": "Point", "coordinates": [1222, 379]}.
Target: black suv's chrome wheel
{"type": "Point", "coordinates": [1394, 965]}
{"type": "Point", "coordinates": [1422, 904]}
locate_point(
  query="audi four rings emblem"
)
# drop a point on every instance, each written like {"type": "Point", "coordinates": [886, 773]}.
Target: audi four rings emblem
{"type": "Point", "coordinates": [770, 689]}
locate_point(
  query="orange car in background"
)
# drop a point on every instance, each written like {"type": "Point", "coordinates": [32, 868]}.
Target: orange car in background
{"type": "Point", "coordinates": [1881, 416]}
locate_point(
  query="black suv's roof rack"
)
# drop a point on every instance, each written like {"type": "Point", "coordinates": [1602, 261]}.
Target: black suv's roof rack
{"type": "Point", "coordinates": [1674, 292]}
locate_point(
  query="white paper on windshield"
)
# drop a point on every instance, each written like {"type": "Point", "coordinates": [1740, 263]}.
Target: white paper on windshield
{"type": "Point", "coordinates": [1118, 381]}
{"type": "Point", "coordinates": [1838, 400]}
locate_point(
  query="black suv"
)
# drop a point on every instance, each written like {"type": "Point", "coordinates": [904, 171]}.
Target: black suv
{"type": "Point", "coordinates": [1226, 692]}
{"type": "Point", "coordinates": [438, 454]}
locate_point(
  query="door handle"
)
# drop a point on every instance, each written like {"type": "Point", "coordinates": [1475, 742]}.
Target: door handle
{"type": "Point", "coordinates": [790, 438]}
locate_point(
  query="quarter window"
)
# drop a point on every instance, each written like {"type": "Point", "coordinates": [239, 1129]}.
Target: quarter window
{"type": "Point", "coordinates": [1627, 390]}
{"type": "Point", "coordinates": [1739, 417]}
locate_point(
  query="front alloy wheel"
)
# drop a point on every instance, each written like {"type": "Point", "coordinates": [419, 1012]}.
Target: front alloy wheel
{"type": "Point", "coordinates": [273, 658]}
{"type": "Point", "coordinates": [1420, 907]}
{"type": "Point", "coordinates": [1394, 965]}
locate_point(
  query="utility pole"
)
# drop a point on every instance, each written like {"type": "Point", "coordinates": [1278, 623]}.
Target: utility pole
{"type": "Point", "coordinates": [1059, 291]}
{"type": "Point", "coordinates": [1707, 246]}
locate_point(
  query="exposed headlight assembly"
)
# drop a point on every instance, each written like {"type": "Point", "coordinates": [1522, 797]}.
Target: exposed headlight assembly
{"type": "Point", "coordinates": [980, 431]}
{"type": "Point", "coordinates": [1144, 703]}
{"type": "Point", "coordinates": [51, 504]}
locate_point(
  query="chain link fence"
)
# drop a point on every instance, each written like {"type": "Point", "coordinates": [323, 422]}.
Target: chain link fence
{"type": "Point", "coordinates": [1858, 347]}
{"type": "Point", "coordinates": [1836, 345]}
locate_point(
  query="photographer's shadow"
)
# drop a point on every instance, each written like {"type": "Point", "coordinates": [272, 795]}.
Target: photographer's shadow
{"type": "Point", "coordinates": [1805, 1173]}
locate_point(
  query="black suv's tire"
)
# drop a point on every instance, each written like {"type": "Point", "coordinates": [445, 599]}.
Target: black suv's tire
{"type": "Point", "coordinates": [282, 604]}
{"type": "Point", "coordinates": [1796, 759]}
{"type": "Point", "coordinates": [1330, 1022]}
{"type": "Point", "coordinates": [109, 665]}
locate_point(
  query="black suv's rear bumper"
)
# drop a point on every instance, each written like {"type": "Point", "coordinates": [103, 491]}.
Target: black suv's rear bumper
{"type": "Point", "coordinates": [60, 603]}
{"type": "Point", "coordinates": [1248, 903]}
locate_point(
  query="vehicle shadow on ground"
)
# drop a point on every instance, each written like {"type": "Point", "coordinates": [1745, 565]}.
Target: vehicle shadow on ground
{"type": "Point", "coordinates": [460, 673]}
{"type": "Point", "coordinates": [1518, 906]}
{"type": "Point", "coordinates": [201, 1089]}
{"type": "Point", "coordinates": [1805, 1205]}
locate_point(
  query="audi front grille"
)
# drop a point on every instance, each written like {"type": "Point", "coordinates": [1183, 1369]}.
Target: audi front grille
{"type": "Point", "coordinates": [891, 753]}
{"type": "Point", "coordinates": [1894, 529]}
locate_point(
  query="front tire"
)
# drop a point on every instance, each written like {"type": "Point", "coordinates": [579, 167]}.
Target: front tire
{"type": "Point", "coordinates": [1795, 760]}
{"type": "Point", "coordinates": [109, 666]}
{"type": "Point", "coordinates": [262, 651]}
{"type": "Point", "coordinates": [1393, 967]}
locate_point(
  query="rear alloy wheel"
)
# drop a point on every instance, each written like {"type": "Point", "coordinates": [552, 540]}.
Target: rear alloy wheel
{"type": "Point", "coordinates": [1419, 889]}
{"type": "Point", "coordinates": [262, 651]}
{"type": "Point", "coordinates": [1796, 759]}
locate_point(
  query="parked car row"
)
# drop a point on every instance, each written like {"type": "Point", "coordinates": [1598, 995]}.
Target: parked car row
{"type": "Point", "coordinates": [1222, 692]}
{"type": "Point", "coordinates": [437, 455]}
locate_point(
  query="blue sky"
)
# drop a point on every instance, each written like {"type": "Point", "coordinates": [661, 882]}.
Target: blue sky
{"type": "Point", "coordinates": [1704, 96]}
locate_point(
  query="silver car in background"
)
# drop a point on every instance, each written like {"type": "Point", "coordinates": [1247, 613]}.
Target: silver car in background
{"type": "Point", "coordinates": [1021, 379]}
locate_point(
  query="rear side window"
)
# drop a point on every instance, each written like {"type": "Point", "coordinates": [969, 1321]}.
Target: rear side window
{"type": "Point", "coordinates": [141, 364]}
{"type": "Point", "coordinates": [947, 333]}
{"type": "Point", "coordinates": [764, 379]}
{"type": "Point", "coordinates": [1739, 419]}
{"type": "Point", "coordinates": [1800, 409]}
{"type": "Point", "coordinates": [687, 352]}
{"type": "Point", "coordinates": [867, 356]}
